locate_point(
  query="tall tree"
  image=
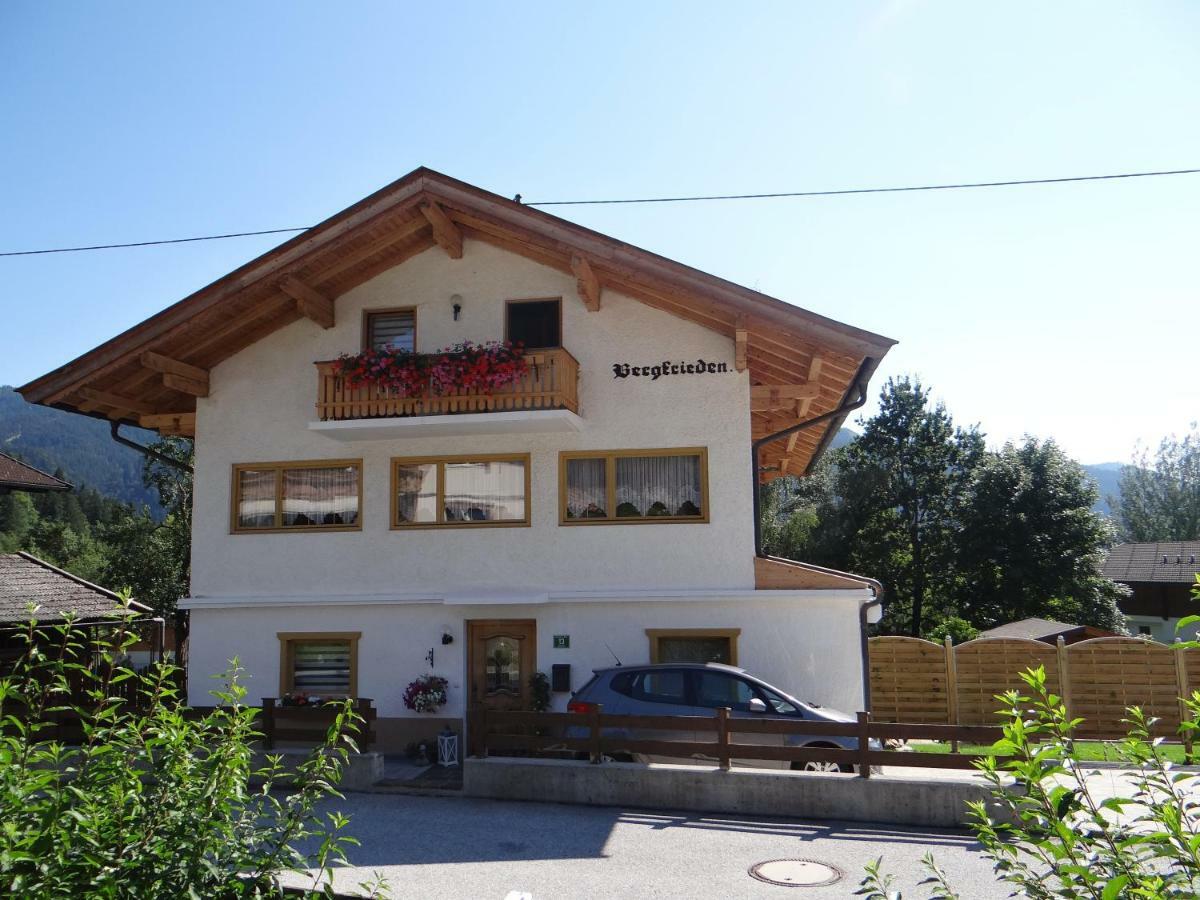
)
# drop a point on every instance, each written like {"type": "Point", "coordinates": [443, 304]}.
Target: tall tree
{"type": "Point", "coordinates": [904, 481]}
{"type": "Point", "coordinates": [1160, 497]}
{"type": "Point", "coordinates": [1031, 545]}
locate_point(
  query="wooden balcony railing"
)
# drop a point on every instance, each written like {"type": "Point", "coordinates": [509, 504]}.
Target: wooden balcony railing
{"type": "Point", "coordinates": [552, 382]}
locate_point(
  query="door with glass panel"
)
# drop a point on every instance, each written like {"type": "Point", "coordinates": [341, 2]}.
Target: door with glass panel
{"type": "Point", "coordinates": [502, 657]}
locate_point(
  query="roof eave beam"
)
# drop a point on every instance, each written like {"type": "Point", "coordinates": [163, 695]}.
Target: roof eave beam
{"type": "Point", "coordinates": [586, 282]}
{"type": "Point", "coordinates": [445, 232]}
{"type": "Point", "coordinates": [311, 303]}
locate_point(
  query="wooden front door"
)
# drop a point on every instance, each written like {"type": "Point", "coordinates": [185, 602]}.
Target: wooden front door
{"type": "Point", "coordinates": [503, 656]}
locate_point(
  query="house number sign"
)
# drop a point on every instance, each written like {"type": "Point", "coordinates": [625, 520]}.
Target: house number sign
{"type": "Point", "coordinates": [658, 370]}
{"type": "Point", "coordinates": [562, 642]}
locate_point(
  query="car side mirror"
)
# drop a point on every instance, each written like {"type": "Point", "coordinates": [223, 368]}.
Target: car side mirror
{"type": "Point", "coordinates": [757, 706]}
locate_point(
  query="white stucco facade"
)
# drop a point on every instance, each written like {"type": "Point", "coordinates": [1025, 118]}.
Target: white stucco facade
{"type": "Point", "coordinates": [603, 585]}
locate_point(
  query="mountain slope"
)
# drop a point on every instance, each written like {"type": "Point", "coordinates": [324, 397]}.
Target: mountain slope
{"type": "Point", "coordinates": [81, 446]}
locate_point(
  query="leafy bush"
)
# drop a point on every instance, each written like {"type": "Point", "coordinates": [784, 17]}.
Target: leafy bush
{"type": "Point", "coordinates": [155, 801]}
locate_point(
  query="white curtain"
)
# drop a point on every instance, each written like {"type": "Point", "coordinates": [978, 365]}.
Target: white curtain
{"type": "Point", "coordinates": [658, 486]}
{"type": "Point", "coordinates": [416, 493]}
{"type": "Point", "coordinates": [485, 491]}
{"type": "Point", "coordinates": [256, 498]}
{"type": "Point", "coordinates": [324, 496]}
{"type": "Point", "coordinates": [586, 489]}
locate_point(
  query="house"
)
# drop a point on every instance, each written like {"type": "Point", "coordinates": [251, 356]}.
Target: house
{"type": "Point", "coordinates": [1047, 631]}
{"type": "Point", "coordinates": [1161, 575]}
{"type": "Point", "coordinates": [599, 506]}
{"type": "Point", "coordinates": [17, 476]}
{"type": "Point", "coordinates": [55, 594]}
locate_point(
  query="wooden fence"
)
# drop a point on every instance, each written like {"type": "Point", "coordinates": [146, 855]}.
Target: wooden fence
{"type": "Point", "coordinates": [597, 735]}
{"type": "Point", "coordinates": [917, 680]}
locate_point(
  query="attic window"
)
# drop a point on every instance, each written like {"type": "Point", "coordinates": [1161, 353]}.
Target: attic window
{"type": "Point", "coordinates": [394, 329]}
{"type": "Point", "coordinates": [536, 324]}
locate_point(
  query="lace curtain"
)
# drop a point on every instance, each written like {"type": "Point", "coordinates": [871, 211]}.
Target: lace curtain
{"type": "Point", "coordinates": [587, 489]}
{"type": "Point", "coordinates": [322, 496]}
{"type": "Point", "coordinates": [484, 491]}
{"type": "Point", "coordinates": [646, 487]}
{"type": "Point", "coordinates": [256, 498]}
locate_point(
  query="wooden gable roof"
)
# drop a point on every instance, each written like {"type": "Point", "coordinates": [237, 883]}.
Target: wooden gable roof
{"type": "Point", "coordinates": [151, 374]}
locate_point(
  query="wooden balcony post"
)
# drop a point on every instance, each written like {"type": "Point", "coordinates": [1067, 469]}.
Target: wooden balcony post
{"type": "Point", "coordinates": [864, 744]}
{"type": "Point", "coordinates": [723, 737]}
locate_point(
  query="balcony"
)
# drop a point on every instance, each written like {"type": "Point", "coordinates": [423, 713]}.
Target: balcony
{"type": "Point", "coordinates": [544, 399]}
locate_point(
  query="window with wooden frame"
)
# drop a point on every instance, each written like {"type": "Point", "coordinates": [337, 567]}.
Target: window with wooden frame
{"type": "Point", "coordinates": [390, 329]}
{"type": "Point", "coordinates": [319, 663]}
{"type": "Point", "coordinates": [314, 495]}
{"type": "Point", "coordinates": [536, 324]}
{"type": "Point", "coordinates": [460, 491]}
{"type": "Point", "coordinates": [694, 645]}
{"type": "Point", "coordinates": [633, 486]}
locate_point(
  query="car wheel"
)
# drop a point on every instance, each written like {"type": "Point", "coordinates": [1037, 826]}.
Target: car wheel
{"type": "Point", "coordinates": [813, 766]}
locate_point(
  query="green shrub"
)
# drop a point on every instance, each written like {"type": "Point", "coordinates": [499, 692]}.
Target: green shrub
{"type": "Point", "coordinates": [155, 801]}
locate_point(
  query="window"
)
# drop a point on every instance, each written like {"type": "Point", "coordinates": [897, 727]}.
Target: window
{"type": "Point", "coordinates": [537, 324]}
{"type": "Point", "coordinates": [696, 645]}
{"type": "Point", "coordinates": [321, 664]}
{"type": "Point", "coordinates": [394, 329]}
{"type": "Point", "coordinates": [633, 486]}
{"type": "Point", "coordinates": [717, 689]}
{"type": "Point", "coordinates": [460, 491]}
{"type": "Point", "coordinates": [664, 686]}
{"type": "Point", "coordinates": [321, 495]}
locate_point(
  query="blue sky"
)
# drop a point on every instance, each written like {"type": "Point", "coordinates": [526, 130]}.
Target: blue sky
{"type": "Point", "coordinates": [1065, 311]}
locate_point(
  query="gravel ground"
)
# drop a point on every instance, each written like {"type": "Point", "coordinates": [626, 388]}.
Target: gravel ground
{"type": "Point", "coordinates": [451, 847]}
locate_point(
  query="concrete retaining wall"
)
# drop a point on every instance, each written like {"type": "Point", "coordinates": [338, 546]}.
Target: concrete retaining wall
{"type": "Point", "coordinates": [882, 799]}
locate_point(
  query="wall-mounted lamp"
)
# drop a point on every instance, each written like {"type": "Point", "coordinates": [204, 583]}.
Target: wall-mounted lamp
{"type": "Point", "coordinates": [447, 637]}
{"type": "Point", "coordinates": [456, 299]}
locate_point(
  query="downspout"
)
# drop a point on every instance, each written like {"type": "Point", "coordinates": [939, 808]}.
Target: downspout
{"type": "Point", "coordinates": [114, 430]}
{"type": "Point", "coordinates": [847, 406]}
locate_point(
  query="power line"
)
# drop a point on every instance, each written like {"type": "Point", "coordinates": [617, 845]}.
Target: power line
{"type": "Point", "coordinates": [878, 190]}
{"type": "Point", "coordinates": [207, 237]}
{"type": "Point", "coordinates": [778, 194]}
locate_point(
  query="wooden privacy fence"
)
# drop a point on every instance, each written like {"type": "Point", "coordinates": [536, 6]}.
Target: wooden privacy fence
{"type": "Point", "coordinates": [917, 680]}
{"type": "Point", "coordinates": [597, 735]}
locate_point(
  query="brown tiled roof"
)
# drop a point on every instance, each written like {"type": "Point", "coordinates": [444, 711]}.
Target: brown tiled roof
{"type": "Point", "coordinates": [1143, 563]}
{"type": "Point", "coordinates": [15, 474]}
{"type": "Point", "coordinates": [25, 579]}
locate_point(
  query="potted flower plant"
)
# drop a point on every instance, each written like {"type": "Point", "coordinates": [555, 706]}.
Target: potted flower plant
{"type": "Point", "coordinates": [426, 693]}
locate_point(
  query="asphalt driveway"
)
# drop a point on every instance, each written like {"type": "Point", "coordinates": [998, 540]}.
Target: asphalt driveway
{"type": "Point", "coordinates": [439, 848]}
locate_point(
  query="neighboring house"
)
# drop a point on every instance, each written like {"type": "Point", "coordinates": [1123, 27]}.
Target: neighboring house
{"type": "Point", "coordinates": [349, 539]}
{"type": "Point", "coordinates": [27, 581]}
{"type": "Point", "coordinates": [1161, 575]}
{"type": "Point", "coordinates": [1047, 631]}
{"type": "Point", "coordinates": [17, 476]}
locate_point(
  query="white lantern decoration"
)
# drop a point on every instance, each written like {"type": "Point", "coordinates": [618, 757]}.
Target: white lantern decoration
{"type": "Point", "coordinates": [447, 748]}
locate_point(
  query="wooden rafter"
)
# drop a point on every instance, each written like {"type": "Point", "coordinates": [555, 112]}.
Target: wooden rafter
{"type": "Point", "coordinates": [586, 282]}
{"type": "Point", "coordinates": [181, 423]}
{"type": "Point", "coordinates": [741, 338]}
{"type": "Point", "coordinates": [178, 376]}
{"type": "Point", "coordinates": [445, 232]}
{"type": "Point", "coordinates": [311, 303]}
{"type": "Point", "coordinates": [116, 401]}
{"type": "Point", "coordinates": [766, 397]}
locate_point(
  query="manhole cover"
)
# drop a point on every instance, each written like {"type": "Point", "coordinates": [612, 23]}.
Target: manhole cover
{"type": "Point", "coordinates": [795, 872]}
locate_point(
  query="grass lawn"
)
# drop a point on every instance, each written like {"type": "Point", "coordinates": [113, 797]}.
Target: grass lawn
{"type": "Point", "coordinates": [1088, 751]}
